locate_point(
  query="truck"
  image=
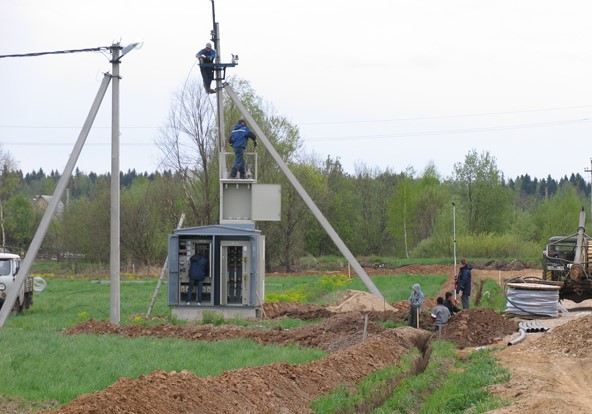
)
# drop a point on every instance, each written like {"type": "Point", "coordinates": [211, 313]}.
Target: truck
{"type": "Point", "coordinates": [567, 263]}
{"type": "Point", "coordinates": [9, 267]}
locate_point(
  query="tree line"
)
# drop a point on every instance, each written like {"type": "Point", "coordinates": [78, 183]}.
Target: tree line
{"type": "Point", "coordinates": [377, 212]}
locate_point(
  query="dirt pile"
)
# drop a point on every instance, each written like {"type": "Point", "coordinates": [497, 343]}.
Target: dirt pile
{"type": "Point", "coordinates": [277, 388]}
{"type": "Point", "coordinates": [477, 327]}
{"type": "Point", "coordinates": [573, 339]}
{"type": "Point", "coordinates": [335, 333]}
{"type": "Point", "coordinates": [355, 300]}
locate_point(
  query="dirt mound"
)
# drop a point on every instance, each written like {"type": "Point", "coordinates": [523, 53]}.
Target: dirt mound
{"type": "Point", "coordinates": [477, 327]}
{"type": "Point", "coordinates": [573, 339]}
{"type": "Point", "coordinates": [355, 300]}
{"type": "Point", "coordinates": [335, 333]}
{"type": "Point", "coordinates": [277, 388]}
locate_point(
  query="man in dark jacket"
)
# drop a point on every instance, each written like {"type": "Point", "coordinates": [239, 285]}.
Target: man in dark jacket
{"type": "Point", "coordinates": [206, 58]}
{"type": "Point", "coordinates": [448, 303]}
{"type": "Point", "coordinates": [239, 138]}
{"type": "Point", "coordinates": [198, 270]}
{"type": "Point", "coordinates": [463, 283]}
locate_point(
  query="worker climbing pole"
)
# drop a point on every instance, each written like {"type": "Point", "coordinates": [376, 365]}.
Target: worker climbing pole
{"type": "Point", "coordinates": [206, 58]}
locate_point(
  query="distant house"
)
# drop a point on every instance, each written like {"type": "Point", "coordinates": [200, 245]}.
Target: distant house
{"type": "Point", "coordinates": [41, 202]}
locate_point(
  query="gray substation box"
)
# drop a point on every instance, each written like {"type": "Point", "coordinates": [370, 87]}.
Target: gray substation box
{"type": "Point", "coordinates": [234, 282]}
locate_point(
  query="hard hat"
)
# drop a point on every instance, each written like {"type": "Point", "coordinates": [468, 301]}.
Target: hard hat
{"type": "Point", "coordinates": [209, 45]}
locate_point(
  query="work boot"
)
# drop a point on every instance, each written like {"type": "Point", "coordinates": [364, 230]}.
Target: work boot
{"type": "Point", "coordinates": [212, 90]}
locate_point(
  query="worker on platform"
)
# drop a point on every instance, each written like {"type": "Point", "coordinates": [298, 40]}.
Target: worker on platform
{"type": "Point", "coordinates": [206, 56]}
{"type": "Point", "coordinates": [239, 138]}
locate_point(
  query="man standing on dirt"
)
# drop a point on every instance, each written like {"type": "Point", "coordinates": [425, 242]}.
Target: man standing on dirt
{"type": "Point", "coordinates": [415, 302]}
{"type": "Point", "coordinates": [463, 283]}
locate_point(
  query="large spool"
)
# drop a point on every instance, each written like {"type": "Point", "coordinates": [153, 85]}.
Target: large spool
{"type": "Point", "coordinates": [532, 299]}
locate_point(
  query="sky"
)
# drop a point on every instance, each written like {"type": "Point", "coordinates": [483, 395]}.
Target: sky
{"type": "Point", "coordinates": [379, 84]}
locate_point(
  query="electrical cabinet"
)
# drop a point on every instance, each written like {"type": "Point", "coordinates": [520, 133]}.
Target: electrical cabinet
{"type": "Point", "coordinates": [236, 272]}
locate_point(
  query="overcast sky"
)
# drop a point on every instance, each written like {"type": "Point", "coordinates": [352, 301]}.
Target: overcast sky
{"type": "Point", "coordinates": [381, 83]}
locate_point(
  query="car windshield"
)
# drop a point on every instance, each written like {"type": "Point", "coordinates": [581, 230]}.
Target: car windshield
{"type": "Point", "coordinates": [4, 267]}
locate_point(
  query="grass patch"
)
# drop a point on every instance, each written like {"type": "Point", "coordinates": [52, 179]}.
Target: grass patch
{"type": "Point", "coordinates": [38, 363]}
{"type": "Point", "coordinates": [447, 385]}
{"type": "Point", "coordinates": [326, 289]}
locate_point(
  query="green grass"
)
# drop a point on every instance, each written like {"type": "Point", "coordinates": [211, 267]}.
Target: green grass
{"type": "Point", "coordinates": [39, 363]}
{"type": "Point", "coordinates": [448, 385]}
{"type": "Point", "coordinates": [323, 289]}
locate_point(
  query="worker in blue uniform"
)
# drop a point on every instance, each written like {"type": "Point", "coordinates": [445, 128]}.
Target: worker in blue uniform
{"type": "Point", "coordinates": [206, 56]}
{"type": "Point", "coordinates": [239, 138]}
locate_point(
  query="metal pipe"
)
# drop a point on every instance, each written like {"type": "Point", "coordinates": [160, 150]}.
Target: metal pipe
{"type": "Point", "coordinates": [519, 338]}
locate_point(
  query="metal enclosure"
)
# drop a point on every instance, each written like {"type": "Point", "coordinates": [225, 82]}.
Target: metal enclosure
{"type": "Point", "coordinates": [244, 201]}
{"type": "Point", "coordinates": [235, 281]}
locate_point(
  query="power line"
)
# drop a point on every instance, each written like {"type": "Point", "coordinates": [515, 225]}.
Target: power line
{"type": "Point", "coordinates": [72, 127]}
{"type": "Point", "coordinates": [57, 52]}
{"type": "Point", "coordinates": [452, 131]}
{"type": "Point", "coordinates": [449, 116]}
{"type": "Point", "coordinates": [369, 137]}
{"type": "Point", "coordinates": [335, 122]}
{"type": "Point", "coordinates": [57, 144]}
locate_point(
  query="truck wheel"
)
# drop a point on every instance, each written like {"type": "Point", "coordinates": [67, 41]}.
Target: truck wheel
{"type": "Point", "coordinates": [28, 300]}
{"type": "Point", "coordinates": [17, 308]}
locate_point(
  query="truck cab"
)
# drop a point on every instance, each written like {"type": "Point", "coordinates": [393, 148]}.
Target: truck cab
{"type": "Point", "coordinates": [9, 267]}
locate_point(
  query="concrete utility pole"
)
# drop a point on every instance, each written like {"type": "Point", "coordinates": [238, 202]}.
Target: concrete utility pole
{"type": "Point", "coordinates": [117, 52]}
{"type": "Point", "coordinates": [114, 261]}
{"type": "Point", "coordinates": [261, 137]}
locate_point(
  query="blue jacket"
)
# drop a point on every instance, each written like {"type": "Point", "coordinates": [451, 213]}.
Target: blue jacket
{"type": "Point", "coordinates": [240, 135]}
{"type": "Point", "coordinates": [463, 283]}
{"type": "Point", "coordinates": [209, 54]}
{"type": "Point", "coordinates": [198, 269]}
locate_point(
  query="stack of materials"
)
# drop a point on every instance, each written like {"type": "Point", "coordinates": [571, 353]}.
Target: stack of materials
{"type": "Point", "coordinates": [532, 299]}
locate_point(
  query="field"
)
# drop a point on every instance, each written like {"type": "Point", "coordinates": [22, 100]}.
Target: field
{"type": "Point", "coordinates": [318, 354]}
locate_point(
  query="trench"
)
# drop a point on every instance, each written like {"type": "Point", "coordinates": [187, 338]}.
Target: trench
{"type": "Point", "coordinates": [384, 392]}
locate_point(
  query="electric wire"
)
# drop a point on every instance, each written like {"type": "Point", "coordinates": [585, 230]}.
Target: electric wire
{"type": "Point", "coordinates": [382, 136]}
{"type": "Point", "coordinates": [420, 118]}
{"type": "Point", "coordinates": [57, 52]}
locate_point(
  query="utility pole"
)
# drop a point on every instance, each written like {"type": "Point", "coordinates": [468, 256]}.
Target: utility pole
{"type": "Point", "coordinates": [115, 196]}
{"type": "Point", "coordinates": [590, 171]}
{"type": "Point", "coordinates": [454, 244]}
{"type": "Point", "coordinates": [117, 52]}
